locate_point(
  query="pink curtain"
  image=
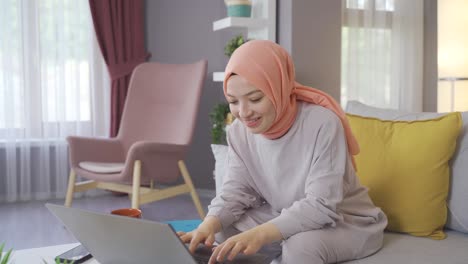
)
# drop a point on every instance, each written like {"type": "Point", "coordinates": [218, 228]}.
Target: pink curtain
{"type": "Point", "coordinates": [119, 26]}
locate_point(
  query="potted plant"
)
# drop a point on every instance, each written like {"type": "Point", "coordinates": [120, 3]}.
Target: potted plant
{"type": "Point", "coordinates": [221, 118]}
{"type": "Point", "coordinates": [233, 44]}
{"type": "Point", "coordinates": [238, 8]}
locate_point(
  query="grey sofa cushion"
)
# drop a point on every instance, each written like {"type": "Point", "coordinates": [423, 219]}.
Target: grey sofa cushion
{"type": "Point", "coordinates": [402, 248]}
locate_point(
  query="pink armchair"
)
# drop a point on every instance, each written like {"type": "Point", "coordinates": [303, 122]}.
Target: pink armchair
{"type": "Point", "coordinates": [155, 133]}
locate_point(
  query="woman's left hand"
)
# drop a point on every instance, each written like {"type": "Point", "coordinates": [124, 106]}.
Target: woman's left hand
{"type": "Point", "coordinates": [248, 242]}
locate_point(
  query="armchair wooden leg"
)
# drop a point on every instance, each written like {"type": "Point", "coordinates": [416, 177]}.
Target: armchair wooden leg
{"type": "Point", "coordinates": [193, 192]}
{"type": "Point", "coordinates": [136, 184]}
{"type": "Point", "coordinates": [71, 188]}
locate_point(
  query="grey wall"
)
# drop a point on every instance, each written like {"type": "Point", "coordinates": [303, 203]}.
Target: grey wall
{"type": "Point", "coordinates": [316, 47]}
{"type": "Point", "coordinates": [284, 24]}
{"type": "Point", "coordinates": [311, 32]}
{"type": "Point", "coordinates": [181, 32]}
{"type": "Point", "coordinates": [430, 56]}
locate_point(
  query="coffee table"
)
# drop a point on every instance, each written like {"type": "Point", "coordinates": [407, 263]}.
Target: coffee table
{"type": "Point", "coordinates": [47, 254]}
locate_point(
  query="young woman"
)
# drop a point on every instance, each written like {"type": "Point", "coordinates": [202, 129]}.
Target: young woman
{"type": "Point", "coordinates": [290, 187]}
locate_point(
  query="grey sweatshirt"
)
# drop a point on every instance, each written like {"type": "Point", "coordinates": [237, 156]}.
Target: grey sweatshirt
{"type": "Point", "coordinates": [306, 177]}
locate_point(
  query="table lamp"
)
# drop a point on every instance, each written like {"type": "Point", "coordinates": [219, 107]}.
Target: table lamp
{"type": "Point", "coordinates": [452, 94]}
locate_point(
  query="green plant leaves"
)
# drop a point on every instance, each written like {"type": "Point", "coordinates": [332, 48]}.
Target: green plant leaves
{"type": "Point", "coordinates": [57, 261]}
{"type": "Point", "coordinates": [218, 118]}
{"type": "Point", "coordinates": [233, 44]}
{"type": "Point", "coordinates": [4, 258]}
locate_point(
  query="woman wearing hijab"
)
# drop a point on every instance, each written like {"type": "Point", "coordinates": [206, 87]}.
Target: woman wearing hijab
{"type": "Point", "coordinates": [290, 188]}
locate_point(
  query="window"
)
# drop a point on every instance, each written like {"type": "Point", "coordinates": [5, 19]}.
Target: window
{"type": "Point", "coordinates": [379, 5]}
{"type": "Point", "coordinates": [47, 55]}
{"type": "Point", "coordinates": [366, 51]}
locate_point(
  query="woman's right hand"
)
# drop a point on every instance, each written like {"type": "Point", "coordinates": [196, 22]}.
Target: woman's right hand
{"type": "Point", "coordinates": [205, 233]}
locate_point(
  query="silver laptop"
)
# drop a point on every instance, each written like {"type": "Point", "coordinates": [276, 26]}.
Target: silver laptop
{"type": "Point", "coordinates": [119, 239]}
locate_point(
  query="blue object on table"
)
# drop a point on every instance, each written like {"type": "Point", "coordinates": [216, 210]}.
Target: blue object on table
{"type": "Point", "coordinates": [184, 225]}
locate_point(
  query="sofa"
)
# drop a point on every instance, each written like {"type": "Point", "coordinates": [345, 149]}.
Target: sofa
{"type": "Point", "coordinates": [445, 215]}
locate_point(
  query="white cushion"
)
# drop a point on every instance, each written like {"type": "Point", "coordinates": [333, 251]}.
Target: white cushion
{"type": "Point", "coordinates": [458, 194]}
{"type": "Point", "coordinates": [102, 167]}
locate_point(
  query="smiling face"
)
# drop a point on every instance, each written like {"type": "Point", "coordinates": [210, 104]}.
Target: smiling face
{"type": "Point", "coordinates": [250, 105]}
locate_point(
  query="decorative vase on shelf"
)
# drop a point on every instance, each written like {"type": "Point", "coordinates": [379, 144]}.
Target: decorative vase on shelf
{"type": "Point", "coordinates": [238, 8]}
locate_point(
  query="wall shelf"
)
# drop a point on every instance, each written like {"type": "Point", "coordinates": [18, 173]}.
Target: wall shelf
{"type": "Point", "coordinates": [239, 22]}
{"type": "Point", "coordinates": [218, 76]}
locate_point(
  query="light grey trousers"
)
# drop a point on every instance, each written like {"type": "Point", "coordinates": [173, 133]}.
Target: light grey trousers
{"type": "Point", "coordinates": [329, 245]}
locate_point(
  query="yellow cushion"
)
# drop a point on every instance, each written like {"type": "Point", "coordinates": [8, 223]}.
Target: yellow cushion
{"type": "Point", "coordinates": [405, 166]}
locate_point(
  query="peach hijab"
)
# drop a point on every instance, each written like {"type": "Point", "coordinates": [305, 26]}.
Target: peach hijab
{"type": "Point", "coordinates": [268, 66]}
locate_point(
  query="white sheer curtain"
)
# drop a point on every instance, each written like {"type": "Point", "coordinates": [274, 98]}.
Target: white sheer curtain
{"type": "Point", "coordinates": [53, 83]}
{"type": "Point", "coordinates": [382, 53]}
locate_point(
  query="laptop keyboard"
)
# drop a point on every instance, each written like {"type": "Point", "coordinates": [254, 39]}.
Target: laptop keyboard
{"type": "Point", "coordinates": [202, 254]}
{"type": "Point", "coordinates": [201, 259]}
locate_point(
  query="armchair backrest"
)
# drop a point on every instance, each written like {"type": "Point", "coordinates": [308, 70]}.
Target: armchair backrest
{"type": "Point", "coordinates": [162, 103]}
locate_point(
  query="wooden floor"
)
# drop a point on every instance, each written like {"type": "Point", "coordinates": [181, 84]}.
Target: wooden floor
{"type": "Point", "coordinates": [30, 224]}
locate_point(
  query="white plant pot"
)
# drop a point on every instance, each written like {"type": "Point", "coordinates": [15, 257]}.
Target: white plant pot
{"type": "Point", "coordinates": [220, 155]}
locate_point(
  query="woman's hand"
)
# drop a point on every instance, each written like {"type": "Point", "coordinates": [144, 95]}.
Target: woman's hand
{"type": "Point", "coordinates": [203, 234]}
{"type": "Point", "coordinates": [248, 242]}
